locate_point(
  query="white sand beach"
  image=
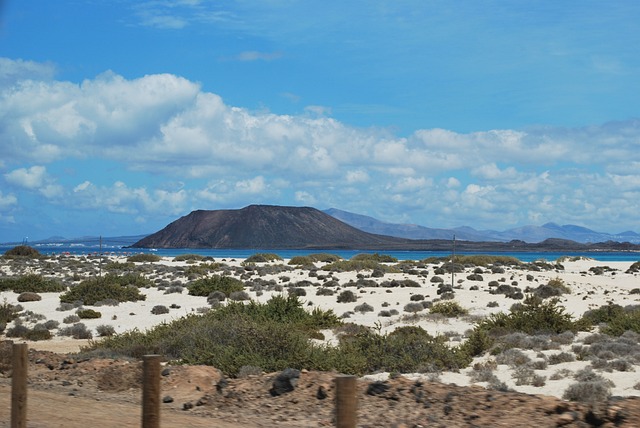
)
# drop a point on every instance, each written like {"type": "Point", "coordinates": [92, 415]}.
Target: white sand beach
{"type": "Point", "coordinates": [592, 284]}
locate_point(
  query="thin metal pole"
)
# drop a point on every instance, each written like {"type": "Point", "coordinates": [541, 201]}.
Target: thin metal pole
{"type": "Point", "coordinates": [151, 391]}
{"type": "Point", "coordinates": [19, 386]}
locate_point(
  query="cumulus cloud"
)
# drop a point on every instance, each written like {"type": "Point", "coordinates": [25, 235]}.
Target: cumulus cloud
{"type": "Point", "coordinates": [7, 201]}
{"type": "Point", "coordinates": [167, 126]}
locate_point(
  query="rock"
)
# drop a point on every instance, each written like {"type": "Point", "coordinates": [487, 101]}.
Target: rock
{"type": "Point", "coordinates": [166, 372]}
{"type": "Point", "coordinates": [321, 394]}
{"type": "Point", "coordinates": [285, 382]}
{"type": "Point", "coordinates": [377, 388]}
{"type": "Point", "coordinates": [167, 399]}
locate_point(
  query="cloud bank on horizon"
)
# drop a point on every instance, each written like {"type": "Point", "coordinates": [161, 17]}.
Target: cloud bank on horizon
{"type": "Point", "coordinates": [117, 119]}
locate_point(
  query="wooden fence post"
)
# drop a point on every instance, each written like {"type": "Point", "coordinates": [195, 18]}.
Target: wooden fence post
{"type": "Point", "coordinates": [151, 391]}
{"type": "Point", "coordinates": [19, 386]}
{"type": "Point", "coordinates": [346, 402]}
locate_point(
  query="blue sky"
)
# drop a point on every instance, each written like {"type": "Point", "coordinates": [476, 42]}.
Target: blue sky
{"type": "Point", "coordinates": [117, 117]}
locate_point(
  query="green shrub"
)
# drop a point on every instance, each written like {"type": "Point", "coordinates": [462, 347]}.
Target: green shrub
{"type": "Point", "coordinates": [144, 258]}
{"type": "Point", "coordinates": [31, 283]}
{"type": "Point", "coordinates": [22, 251]}
{"type": "Point", "coordinates": [88, 314]}
{"type": "Point", "coordinates": [262, 258]}
{"type": "Point", "coordinates": [120, 266]}
{"type": "Point", "coordinates": [205, 286]}
{"type": "Point", "coordinates": [188, 257]}
{"type": "Point", "coordinates": [358, 265]}
{"type": "Point", "coordinates": [347, 296]}
{"type": "Point", "coordinates": [533, 316]}
{"type": "Point", "coordinates": [77, 331]}
{"type": "Point", "coordinates": [29, 296]}
{"type": "Point", "coordinates": [375, 257]}
{"type": "Point", "coordinates": [449, 309]}
{"type": "Point", "coordinates": [159, 310]}
{"type": "Point", "coordinates": [90, 291]}
{"type": "Point", "coordinates": [104, 330]}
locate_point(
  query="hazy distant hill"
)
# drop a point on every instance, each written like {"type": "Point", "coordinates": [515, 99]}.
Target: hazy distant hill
{"type": "Point", "coordinates": [532, 234]}
{"type": "Point", "coordinates": [266, 227]}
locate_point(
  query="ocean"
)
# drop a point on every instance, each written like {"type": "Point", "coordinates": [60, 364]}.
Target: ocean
{"type": "Point", "coordinates": [114, 249]}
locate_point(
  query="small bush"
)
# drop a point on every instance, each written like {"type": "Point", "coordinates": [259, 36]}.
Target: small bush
{"type": "Point", "coordinates": [239, 296]}
{"type": "Point", "coordinates": [597, 391]}
{"type": "Point", "coordinates": [188, 257]}
{"type": "Point", "coordinates": [365, 307]}
{"type": "Point", "coordinates": [413, 307]}
{"type": "Point", "coordinates": [31, 283]}
{"type": "Point", "coordinates": [262, 258]}
{"type": "Point", "coordinates": [205, 286]}
{"type": "Point", "coordinates": [144, 258]}
{"type": "Point", "coordinates": [88, 314]}
{"type": "Point", "coordinates": [347, 296]}
{"type": "Point", "coordinates": [77, 331]}
{"type": "Point", "coordinates": [29, 296]}
{"type": "Point", "coordinates": [104, 330]}
{"type": "Point", "coordinates": [449, 309]}
{"type": "Point", "coordinates": [71, 319]}
{"type": "Point", "coordinates": [562, 357]}
{"type": "Point", "coordinates": [298, 291]}
{"type": "Point", "coordinates": [22, 251]}
{"type": "Point", "coordinates": [90, 291]}
{"type": "Point", "coordinates": [159, 309]}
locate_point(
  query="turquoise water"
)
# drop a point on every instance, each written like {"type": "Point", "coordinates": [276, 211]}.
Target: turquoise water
{"type": "Point", "coordinates": [347, 254]}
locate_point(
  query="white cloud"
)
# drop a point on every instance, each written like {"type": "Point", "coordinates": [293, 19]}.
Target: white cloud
{"type": "Point", "coordinates": [306, 198]}
{"type": "Point", "coordinates": [7, 201]}
{"type": "Point", "coordinates": [12, 71]}
{"type": "Point", "coordinates": [167, 126]}
{"type": "Point", "coordinates": [257, 56]}
{"type": "Point", "coordinates": [30, 178]}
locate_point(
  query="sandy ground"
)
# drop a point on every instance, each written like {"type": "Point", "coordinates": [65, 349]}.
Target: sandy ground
{"type": "Point", "coordinates": [590, 289]}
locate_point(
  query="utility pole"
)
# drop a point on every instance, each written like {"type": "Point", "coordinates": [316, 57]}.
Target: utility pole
{"type": "Point", "coordinates": [453, 259]}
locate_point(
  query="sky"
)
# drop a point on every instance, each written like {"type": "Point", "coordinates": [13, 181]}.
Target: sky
{"type": "Point", "coordinates": [118, 117]}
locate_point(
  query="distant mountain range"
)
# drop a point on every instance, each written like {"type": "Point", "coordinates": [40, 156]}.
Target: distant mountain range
{"type": "Point", "coordinates": [268, 226]}
{"type": "Point", "coordinates": [531, 234]}
{"type": "Point", "coordinates": [277, 227]}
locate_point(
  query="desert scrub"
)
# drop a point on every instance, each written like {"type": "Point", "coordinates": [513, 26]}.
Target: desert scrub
{"type": "Point", "coordinates": [310, 259]}
{"type": "Point", "coordinates": [205, 286]}
{"type": "Point", "coordinates": [380, 258]}
{"type": "Point", "coordinates": [114, 266]}
{"type": "Point", "coordinates": [22, 251]}
{"type": "Point", "coordinates": [29, 296]}
{"type": "Point", "coordinates": [590, 388]}
{"type": "Point", "coordinates": [262, 258]}
{"type": "Point", "coordinates": [159, 310]}
{"type": "Point", "coordinates": [273, 335]}
{"type": "Point", "coordinates": [363, 308]}
{"type": "Point", "coordinates": [77, 331]}
{"type": "Point", "coordinates": [188, 257]}
{"type": "Point", "coordinates": [449, 309]}
{"type": "Point", "coordinates": [144, 258]}
{"type": "Point", "coordinates": [31, 283]}
{"type": "Point", "coordinates": [620, 322]}
{"type": "Point", "coordinates": [358, 265]}
{"type": "Point", "coordinates": [90, 291]}
{"type": "Point", "coordinates": [347, 296]}
{"type": "Point", "coordinates": [533, 317]}
{"type": "Point", "coordinates": [71, 319]}
{"type": "Point", "coordinates": [105, 330]}
{"type": "Point", "coordinates": [88, 314]}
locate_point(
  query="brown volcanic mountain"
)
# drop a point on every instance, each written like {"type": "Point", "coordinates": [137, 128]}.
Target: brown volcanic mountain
{"type": "Point", "coordinates": [265, 227]}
